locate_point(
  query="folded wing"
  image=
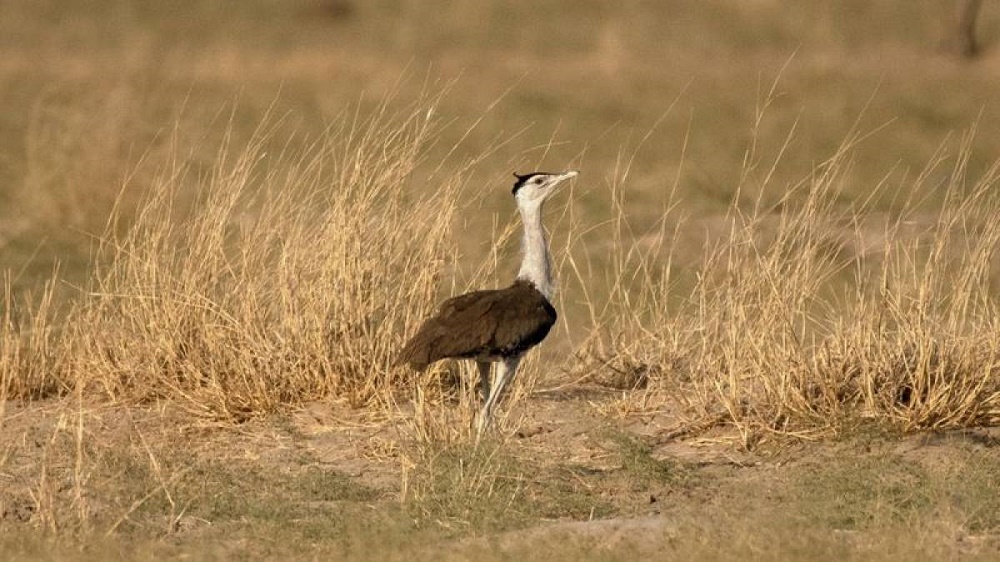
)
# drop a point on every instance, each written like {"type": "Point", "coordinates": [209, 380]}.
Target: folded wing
{"type": "Point", "coordinates": [484, 325]}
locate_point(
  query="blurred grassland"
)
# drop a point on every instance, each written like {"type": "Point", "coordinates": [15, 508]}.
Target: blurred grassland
{"type": "Point", "coordinates": [92, 93]}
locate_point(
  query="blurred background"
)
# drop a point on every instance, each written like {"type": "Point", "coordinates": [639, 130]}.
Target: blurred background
{"type": "Point", "coordinates": [95, 95]}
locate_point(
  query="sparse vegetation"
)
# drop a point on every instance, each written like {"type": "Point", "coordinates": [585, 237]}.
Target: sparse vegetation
{"type": "Point", "coordinates": [778, 307]}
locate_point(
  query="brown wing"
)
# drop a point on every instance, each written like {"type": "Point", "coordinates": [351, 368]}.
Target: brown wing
{"type": "Point", "coordinates": [494, 323]}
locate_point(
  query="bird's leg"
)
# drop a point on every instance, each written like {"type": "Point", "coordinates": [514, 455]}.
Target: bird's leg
{"type": "Point", "coordinates": [484, 380]}
{"type": "Point", "coordinates": [505, 373]}
{"type": "Point", "coordinates": [484, 393]}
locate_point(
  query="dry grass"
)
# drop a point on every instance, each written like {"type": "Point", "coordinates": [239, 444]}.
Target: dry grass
{"type": "Point", "coordinates": [265, 292]}
{"type": "Point", "coordinates": [31, 357]}
{"type": "Point", "coordinates": [806, 316]}
{"type": "Point", "coordinates": [293, 277]}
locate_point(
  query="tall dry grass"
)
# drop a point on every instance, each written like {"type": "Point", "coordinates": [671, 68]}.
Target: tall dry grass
{"type": "Point", "coordinates": [31, 359]}
{"type": "Point", "coordinates": [806, 315]}
{"type": "Point", "coordinates": [296, 272]}
{"type": "Point", "coordinates": [292, 277]}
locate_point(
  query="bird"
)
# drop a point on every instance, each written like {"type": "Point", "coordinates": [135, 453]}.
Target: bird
{"type": "Point", "coordinates": [498, 325]}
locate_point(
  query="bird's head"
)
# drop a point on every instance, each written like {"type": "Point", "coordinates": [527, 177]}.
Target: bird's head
{"type": "Point", "coordinates": [534, 188]}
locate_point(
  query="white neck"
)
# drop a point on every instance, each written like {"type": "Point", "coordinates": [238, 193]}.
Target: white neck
{"type": "Point", "coordinates": [535, 265]}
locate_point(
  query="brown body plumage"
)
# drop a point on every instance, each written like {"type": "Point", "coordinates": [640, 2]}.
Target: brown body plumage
{"type": "Point", "coordinates": [482, 325]}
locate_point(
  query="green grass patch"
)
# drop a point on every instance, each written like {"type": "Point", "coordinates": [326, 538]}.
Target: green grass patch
{"type": "Point", "coordinates": [487, 487]}
{"type": "Point", "coordinates": [859, 493]}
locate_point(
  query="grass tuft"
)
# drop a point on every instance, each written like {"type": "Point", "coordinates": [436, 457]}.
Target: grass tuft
{"type": "Point", "coordinates": [31, 359]}
{"type": "Point", "coordinates": [804, 314]}
{"type": "Point", "coordinates": [292, 278]}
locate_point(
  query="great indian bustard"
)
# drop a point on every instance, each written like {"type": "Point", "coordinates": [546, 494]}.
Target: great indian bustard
{"type": "Point", "coordinates": [498, 326]}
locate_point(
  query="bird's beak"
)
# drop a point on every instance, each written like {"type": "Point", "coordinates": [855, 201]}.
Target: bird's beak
{"type": "Point", "coordinates": [559, 178]}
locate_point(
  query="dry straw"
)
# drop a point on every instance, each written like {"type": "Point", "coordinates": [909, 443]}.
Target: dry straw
{"type": "Point", "coordinates": [806, 315]}
{"type": "Point", "coordinates": [292, 278]}
{"type": "Point", "coordinates": [30, 352]}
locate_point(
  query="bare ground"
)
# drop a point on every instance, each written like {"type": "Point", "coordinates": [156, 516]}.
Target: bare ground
{"type": "Point", "coordinates": [569, 481]}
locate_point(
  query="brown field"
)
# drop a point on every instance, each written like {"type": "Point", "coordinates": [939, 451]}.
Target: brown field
{"type": "Point", "coordinates": [778, 280]}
